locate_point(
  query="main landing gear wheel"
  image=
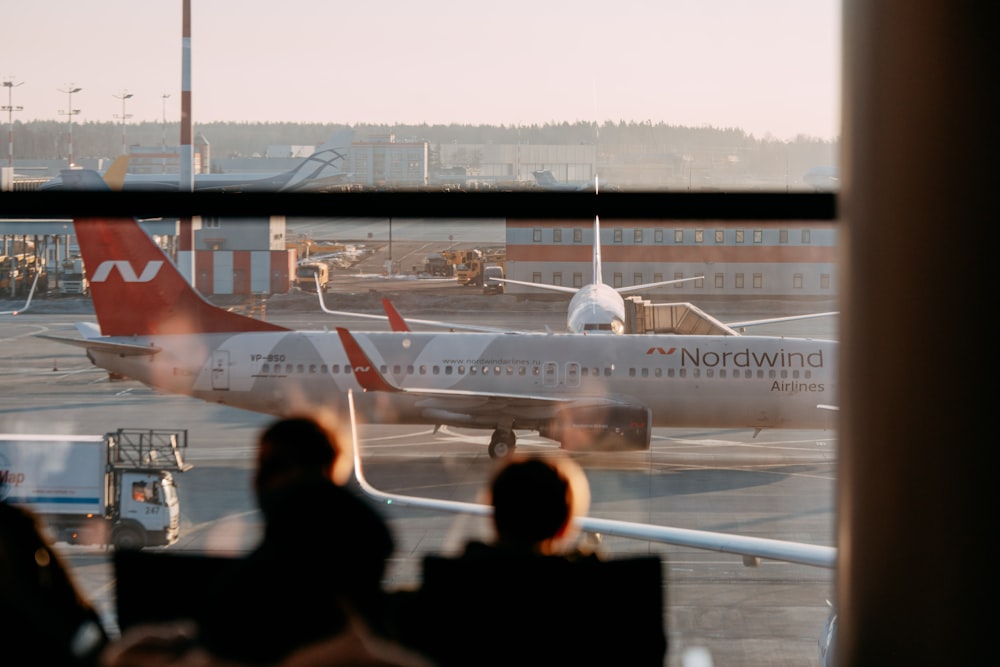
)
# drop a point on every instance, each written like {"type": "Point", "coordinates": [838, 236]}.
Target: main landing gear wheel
{"type": "Point", "coordinates": [502, 444]}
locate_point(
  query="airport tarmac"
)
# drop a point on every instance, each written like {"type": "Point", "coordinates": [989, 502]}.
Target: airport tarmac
{"type": "Point", "coordinates": [779, 485]}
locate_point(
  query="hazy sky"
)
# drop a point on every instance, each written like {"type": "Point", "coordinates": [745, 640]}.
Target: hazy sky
{"type": "Point", "coordinates": [767, 66]}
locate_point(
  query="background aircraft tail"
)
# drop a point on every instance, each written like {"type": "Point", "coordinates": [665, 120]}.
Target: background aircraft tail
{"type": "Point", "coordinates": [135, 287]}
{"type": "Point", "coordinates": [598, 277]}
{"type": "Point", "coordinates": [545, 177]}
{"type": "Point", "coordinates": [327, 163]}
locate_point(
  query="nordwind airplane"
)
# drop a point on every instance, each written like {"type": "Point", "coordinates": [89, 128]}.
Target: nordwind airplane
{"type": "Point", "coordinates": [582, 391]}
{"type": "Point", "coordinates": [325, 166]}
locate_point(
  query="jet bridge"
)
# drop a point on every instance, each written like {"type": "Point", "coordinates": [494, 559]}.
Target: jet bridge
{"type": "Point", "coordinates": [643, 317]}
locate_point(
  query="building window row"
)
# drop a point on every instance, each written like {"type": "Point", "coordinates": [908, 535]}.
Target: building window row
{"type": "Point", "coordinates": [719, 280]}
{"type": "Point", "coordinates": [696, 236]}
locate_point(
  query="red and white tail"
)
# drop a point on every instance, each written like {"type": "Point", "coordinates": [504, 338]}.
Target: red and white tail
{"type": "Point", "coordinates": [137, 290]}
{"type": "Point", "coordinates": [135, 287]}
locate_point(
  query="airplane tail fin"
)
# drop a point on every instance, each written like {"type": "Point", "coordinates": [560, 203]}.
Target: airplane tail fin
{"type": "Point", "coordinates": [328, 162]}
{"type": "Point", "coordinates": [114, 176]}
{"type": "Point", "coordinates": [135, 287]}
{"type": "Point", "coordinates": [544, 177]}
{"type": "Point", "coordinates": [396, 321]}
{"type": "Point", "coordinates": [597, 251]}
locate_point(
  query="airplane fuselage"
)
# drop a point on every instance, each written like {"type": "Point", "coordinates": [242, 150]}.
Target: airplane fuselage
{"type": "Point", "coordinates": [719, 381]}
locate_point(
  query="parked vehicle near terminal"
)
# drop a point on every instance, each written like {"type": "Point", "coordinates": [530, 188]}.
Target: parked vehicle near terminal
{"type": "Point", "coordinates": [437, 264]}
{"type": "Point", "coordinates": [490, 283]}
{"type": "Point", "coordinates": [307, 275]}
{"type": "Point", "coordinates": [117, 488]}
{"type": "Point", "coordinates": [73, 277]}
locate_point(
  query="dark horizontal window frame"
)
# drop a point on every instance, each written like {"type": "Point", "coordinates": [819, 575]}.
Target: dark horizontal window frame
{"type": "Point", "coordinates": [526, 205]}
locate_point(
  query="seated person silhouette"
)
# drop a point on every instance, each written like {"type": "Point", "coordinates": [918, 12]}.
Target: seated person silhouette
{"type": "Point", "coordinates": [44, 619]}
{"type": "Point", "coordinates": [322, 556]}
{"type": "Point", "coordinates": [316, 574]}
{"type": "Point", "coordinates": [531, 597]}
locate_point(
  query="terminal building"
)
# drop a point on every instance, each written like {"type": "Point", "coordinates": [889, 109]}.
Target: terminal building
{"type": "Point", "coordinates": [763, 259]}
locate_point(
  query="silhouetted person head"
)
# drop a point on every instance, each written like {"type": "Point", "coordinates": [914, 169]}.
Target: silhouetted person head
{"type": "Point", "coordinates": [535, 501]}
{"type": "Point", "coordinates": [293, 450]}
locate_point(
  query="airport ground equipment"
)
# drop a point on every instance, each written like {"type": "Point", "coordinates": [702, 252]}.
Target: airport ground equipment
{"type": "Point", "coordinates": [310, 276]}
{"type": "Point", "coordinates": [117, 488]}
{"type": "Point", "coordinates": [73, 277]}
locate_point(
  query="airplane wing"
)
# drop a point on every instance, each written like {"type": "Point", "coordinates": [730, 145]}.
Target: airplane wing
{"type": "Point", "coordinates": [574, 290]}
{"type": "Point", "coordinates": [551, 288]}
{"type": "Point", "coordinates": [27, 304]}
{"type": "Point", "coordinates": [775, 320]}
{"type": "Point", "coordinates": [751, 549]}
{"type": "Point", "coordinates": [636, 288]}
{"type": "Point", "coordinates": [396, 321]}
{"type": "Point", "coordinates": [124, 349]}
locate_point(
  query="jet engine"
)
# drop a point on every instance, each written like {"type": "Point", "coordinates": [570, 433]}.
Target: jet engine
{"type": "Point", "coordinates": [601, 427]}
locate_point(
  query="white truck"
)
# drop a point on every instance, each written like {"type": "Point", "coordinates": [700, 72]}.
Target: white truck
{"type": "Point", "coordinates": [117, 488]}
{"type": "Point", "coordinates": [73, 277]}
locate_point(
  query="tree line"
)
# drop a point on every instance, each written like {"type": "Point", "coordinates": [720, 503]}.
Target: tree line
{"type": "Point", "coordinates": [49, 139]}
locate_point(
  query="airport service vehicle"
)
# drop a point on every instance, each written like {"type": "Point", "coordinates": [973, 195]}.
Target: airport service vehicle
{"type": "Point", "coordinates": [437, 264]}
{"type": "Point", "coordinates": [310, 276]}
{"type": "Point", "coordinates": [490, 283]}
{"type": "Point", "coordinates": [73, 277]}
{"type": "Point", "coordinates": [117, 488]}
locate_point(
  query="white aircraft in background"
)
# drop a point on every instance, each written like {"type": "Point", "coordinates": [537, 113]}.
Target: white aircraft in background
{"type": "Point", "coordinates": [27, 304]}
{"type": "Point", "coordinates": [325, 166]}
{"type": "Point", "coordinates": [825, 178]}
{"type": "Point", "coordinates": [582, 391]}
{"type": "Point", "coordinates": [595, 308]}
{"type": "Point", "coordinates": [545, 179]}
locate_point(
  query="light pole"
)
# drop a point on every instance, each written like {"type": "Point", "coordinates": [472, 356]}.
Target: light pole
{"type": "Point", "coordinates": [163, 139]}
{"type": "Point", "coordinates": [10, 109]}
{"type": "Point", "coordinates": [69, 113]}
{"type": "Point", "coordinates": [163, 135]}
{"type": "Point", "coordinates": [125, 116]}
